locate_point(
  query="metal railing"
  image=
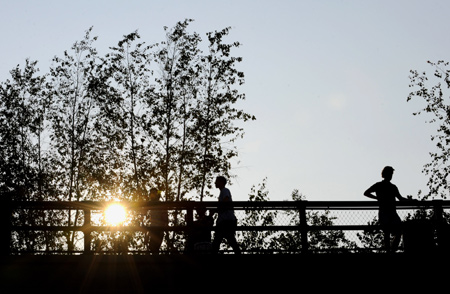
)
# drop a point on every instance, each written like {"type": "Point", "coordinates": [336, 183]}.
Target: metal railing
{"type": "Point", "coordinates": [12, 229]}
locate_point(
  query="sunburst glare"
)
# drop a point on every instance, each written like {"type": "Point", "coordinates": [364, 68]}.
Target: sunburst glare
{"type": "Point", "coordinates": [115, 214]}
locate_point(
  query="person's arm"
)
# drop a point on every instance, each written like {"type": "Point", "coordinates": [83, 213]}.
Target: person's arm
{"type": "Point", "coordinates": [369, 193]}
{"type": "Point", "coordinates": [399, 196]}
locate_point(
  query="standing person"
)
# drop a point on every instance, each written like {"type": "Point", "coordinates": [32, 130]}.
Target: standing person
{"type": "Point", "coordinates": [386, 194]}
{"type": "Point", "coordinates": [158, 218]}
{"type": "Point", "coordinates": [226, 222]}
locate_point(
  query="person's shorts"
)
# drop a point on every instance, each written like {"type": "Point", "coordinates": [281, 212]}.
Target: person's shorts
{"type": "Point", "coordinates": [390, 221]}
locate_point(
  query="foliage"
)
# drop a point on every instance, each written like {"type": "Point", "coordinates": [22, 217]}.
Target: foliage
{"type": "Point", "coordinates": [318, 240]}
{"type": "Point", "coordinates": [288, 241]}
{"type": "Point", "coordinates": [372, 237]}
{"type": "Point", "coordinates": [22, 107]}
{"type": "Point", "coordinates": [258, 240]}
{"type": "Point", "coordinates": [323, 240]}
{"type": "Point", "coordinates": [434, 90]}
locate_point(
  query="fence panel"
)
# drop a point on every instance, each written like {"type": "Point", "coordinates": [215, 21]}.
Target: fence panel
{"type": "Point", "coordinates": [263, 227]}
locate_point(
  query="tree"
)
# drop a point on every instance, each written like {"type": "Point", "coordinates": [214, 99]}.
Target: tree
{"type": "Point", "coordinates": [24, 166]}
{"type": "Point", "coordinates": [214, 114]}
{"type": "Point", "coordinates": [171, 107]}
{"type": "Point", "coordinates": [434, 90]}
{"type": "Point", "coordinates": [127, 73]}
{"type": "Point", "coordinates": [22, 105]}
{"type": "Point", "coordinates": [74, 151]}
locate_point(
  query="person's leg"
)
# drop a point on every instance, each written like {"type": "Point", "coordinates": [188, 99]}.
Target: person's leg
{"type": "Point", "coordinates": [231, 236]}
{"type": "Point", "coordinates": [218, 237]}
{"type": "Point", "coordinates": [387, 240]}
{"type": "Point", "coordinates": [233, 243]}
{"type": "Point", "coordinates": [383, 219]}
{"type": "Point", "coordinates": [397, 232]}
{"type": "Point", "coordinates": [396, 241]}
{"type": "Point", "coordinates": [396, 228]}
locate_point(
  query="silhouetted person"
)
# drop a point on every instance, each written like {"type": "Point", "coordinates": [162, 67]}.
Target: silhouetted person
{"type": "Point", "coordinates": [199, 240]}
{"type": "Point", "coordinates": [386, 193]}
{"type": "Point", "coordinates": [158, 217]}
{"type": "Point", "coordinates": [226, 222]}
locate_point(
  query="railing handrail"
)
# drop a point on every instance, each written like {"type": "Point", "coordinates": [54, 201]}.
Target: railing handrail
{"type": "Point", "coordinates": [100, 205]}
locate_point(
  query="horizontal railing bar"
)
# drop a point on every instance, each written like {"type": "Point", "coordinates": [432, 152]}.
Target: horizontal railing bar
{"type": "Point", "coordinates": [186, 228]}
{"type": "Point", "coordinates": [98, 228]}
{"type": "Point", "coordinates": [270, 205]}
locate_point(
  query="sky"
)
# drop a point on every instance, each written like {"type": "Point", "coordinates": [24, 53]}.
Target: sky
{"type": "Point", "coordinates": [326, 80]}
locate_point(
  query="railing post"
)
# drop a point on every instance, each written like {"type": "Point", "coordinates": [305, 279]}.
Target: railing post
{"type": "Point", "coordinates": [437, 211]}
{"type": "Point", "coordinates": [87, 231]}
{"type": "Point", "coordinates": [5, 224]}
{"type": "Point", "coordinates": [303, 226]}
{"type": "Point", "coordinates": [189, 215]}
{"type": "Point", "coordinates": [189, 247]}
{"type": "Point", "coordinates": [439, 223]}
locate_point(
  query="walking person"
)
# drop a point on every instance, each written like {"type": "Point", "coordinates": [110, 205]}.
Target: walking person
{"type": "Point", "coordinates": [386, 194]}
{"type": "Point", "coordinates": [226, 222]}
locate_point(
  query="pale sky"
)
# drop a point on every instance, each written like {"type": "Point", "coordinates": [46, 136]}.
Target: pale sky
{"type": "Point", "coordinates": [327, 80]}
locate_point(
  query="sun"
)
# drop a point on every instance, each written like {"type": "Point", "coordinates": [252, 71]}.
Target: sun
{"type": "Point", "coordinates": [115, 214]}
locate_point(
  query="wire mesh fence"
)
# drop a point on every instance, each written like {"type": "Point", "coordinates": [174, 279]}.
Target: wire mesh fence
{"type": "Point", "coordinates": [263, 227]}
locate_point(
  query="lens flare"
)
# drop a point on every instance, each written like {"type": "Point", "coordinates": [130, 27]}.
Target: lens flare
{"type": "Point", "coordinates": [115, 214]}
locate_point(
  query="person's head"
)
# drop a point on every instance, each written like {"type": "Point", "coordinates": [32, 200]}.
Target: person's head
{"type": "Point", "coordinates": [154, 195]}
{"type": "Point", "coordinates": [220, 182]}
{"type": "Point", "coordinates": [387, 173]}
